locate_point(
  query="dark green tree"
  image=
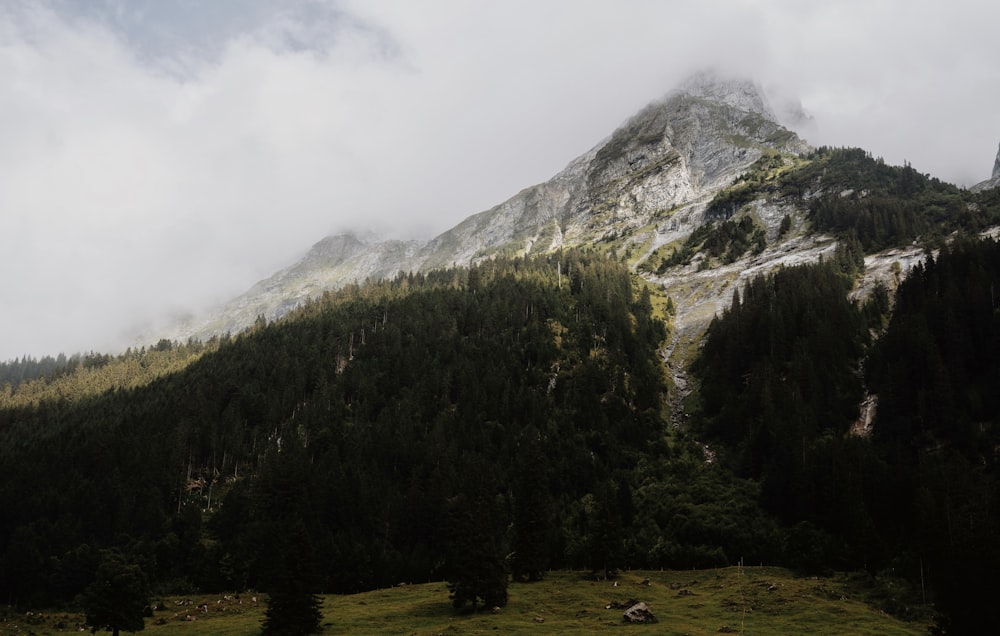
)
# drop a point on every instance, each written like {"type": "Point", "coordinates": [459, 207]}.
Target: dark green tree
{"type": "Point", "coordinates": [293, 608]}
{"type": "Point", "coordinates": [606, 530]}
{"type": "Point", "coordinates": [289, 572]}
{"type": "Point", "coordinates": [532, 516]}
{"type": "Point", "coordinates": [118, 597]}
{"type": "Point", "coordinates": [786, 225]}
{"type": "Point", "coordinates": [477, 572]}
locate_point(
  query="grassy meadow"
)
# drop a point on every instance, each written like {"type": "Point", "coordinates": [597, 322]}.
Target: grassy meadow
{"type": "Point", "coordinates": [731, 600]}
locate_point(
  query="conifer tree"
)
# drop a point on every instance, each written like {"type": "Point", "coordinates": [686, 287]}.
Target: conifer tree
{"type": "Point", "coordinates": [293, 608]}
{"type": "Point", "coordinates": [532, 522]}
{"type": "Point", "coordinates": [477, 572]}
{"type": "Point", "coordinates": [118, 597]}
{"type": "Point", "coordinates": [290, 574]}
{"type": "Point", "coordinates": [606, 531]}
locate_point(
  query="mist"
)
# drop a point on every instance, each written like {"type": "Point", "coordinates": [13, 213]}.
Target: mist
{"type": "Point", "coordinates": [159, 157]}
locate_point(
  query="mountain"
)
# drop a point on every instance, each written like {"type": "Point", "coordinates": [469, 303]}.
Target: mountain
{"type": "Point", "coordinates": [992, 182]}
{"type": "Point", "coordinates": [844, 412]}
{"type": "Point", "coordinates": [647, 182]}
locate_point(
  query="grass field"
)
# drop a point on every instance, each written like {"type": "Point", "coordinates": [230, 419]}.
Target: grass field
{"type": "Point", "coordinates": [743, 600]}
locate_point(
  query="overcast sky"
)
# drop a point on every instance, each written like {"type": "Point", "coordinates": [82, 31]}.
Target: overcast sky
{"type": "Point", "coordinates": [160, 155]}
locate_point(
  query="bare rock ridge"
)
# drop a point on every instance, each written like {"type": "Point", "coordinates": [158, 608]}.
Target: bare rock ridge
{"type": "Point", "coordinates": [645, 184]}
{"type": "Point", "coordinates": [992, 182]}
{"type": "Point", "coordinates": [330, 264]}
{"type": "Point", "coordinates": [740, 93]}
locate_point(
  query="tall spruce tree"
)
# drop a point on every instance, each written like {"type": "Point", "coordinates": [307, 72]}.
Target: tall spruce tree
{"type": "Point", "coordinates": [290, 574]}
{"type": "Point", "coordinates": [293, 608]}
{"type": "Point", "coordinates": [477, 572]}
{"type": "Point", "coordinates": [606, 531]}
{"type": "Point", "coordinates": [532, 516]}
{"type": "Point", "coordinates": [118, 597]}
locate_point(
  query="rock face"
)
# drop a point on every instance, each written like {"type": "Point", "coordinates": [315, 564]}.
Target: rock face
{"type": "Point", "coordinates": [331, 263]}
{"type": "Point", "coordinates": [678, 149]}
{"type": "Point", "coordinates": [650, 180]}
{"type": "Point", "coordinates": [994, 181]}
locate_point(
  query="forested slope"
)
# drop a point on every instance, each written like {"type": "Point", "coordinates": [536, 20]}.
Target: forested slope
{"type": "Point", "coordinates": [369, 410]}
{"type": "Point", "coordinates": [782, 374]}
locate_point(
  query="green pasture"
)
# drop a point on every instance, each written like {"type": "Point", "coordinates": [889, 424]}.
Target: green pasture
{"type": "Point", "coordinates": [751, 600]}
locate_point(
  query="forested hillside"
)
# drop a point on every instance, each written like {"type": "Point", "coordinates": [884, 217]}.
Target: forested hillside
{"type": "Point", "coordinates": [855, 194]}
{"type": "Point", "coordinates": [471, 424]}
{"type": "Point", "coordinates": [782, 375]}
{"type": "Point", "coordinates": [28, 381]}
{"type": "Point", "coordinates": [361, 418]}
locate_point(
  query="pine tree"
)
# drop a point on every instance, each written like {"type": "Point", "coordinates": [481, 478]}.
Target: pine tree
{"type": "Point", "coordinates": [475, 554]}
{"type": "Point", "coordinates": [290, 575]}
{"type": "Point", "coordinates": [118, 597]}
{"type": "Point", "coordinates": [532, 519]}
{"type": "Point", "coordinates": [606, 530]}
{"type": "Point", "coordinates": [293, 608]}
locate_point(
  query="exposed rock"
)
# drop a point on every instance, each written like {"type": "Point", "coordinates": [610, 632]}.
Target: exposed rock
{"type": "Point", "coordinates": [862, 427]}
{"type": "Point", "coordinates": [992, 182]}
{"type": "Point", "coordinates": [738, 92]}
{"type": "Point", "coordinates": [989, 184]}
{"type": "Point", "coordinates": [639, 613]}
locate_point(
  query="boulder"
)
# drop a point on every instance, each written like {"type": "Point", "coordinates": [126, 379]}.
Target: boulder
{"type": "Point", "coordinates": [639, 613]}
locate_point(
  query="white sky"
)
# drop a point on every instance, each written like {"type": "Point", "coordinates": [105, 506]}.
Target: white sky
{"type": "Point", "coordinates": [160, 155]}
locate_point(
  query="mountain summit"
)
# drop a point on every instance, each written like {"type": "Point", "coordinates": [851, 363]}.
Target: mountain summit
{"type": "Point", "coordinates": [654, 174]}
{"type": "Point", "coordinates": [739, 93]}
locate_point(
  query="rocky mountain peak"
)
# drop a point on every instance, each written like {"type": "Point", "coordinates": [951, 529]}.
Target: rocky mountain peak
{"type": "Point", "coordinates": [738, 92]}
{"type": "Point", "coordinates": [996, 166]}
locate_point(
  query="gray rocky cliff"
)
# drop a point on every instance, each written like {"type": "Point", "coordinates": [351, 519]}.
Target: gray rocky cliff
{"type": "Point", "coordinates": [330, 264]}
{"type": "Point", "coordinates": [992, 182]}
{"type": "Point", "coordinates": [698, 138]}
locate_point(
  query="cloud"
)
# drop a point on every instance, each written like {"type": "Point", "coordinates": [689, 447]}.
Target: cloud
{"type": "Point", "coordinates": [159, 156]}
{"type": "Point", "coordinates": [910, 81]}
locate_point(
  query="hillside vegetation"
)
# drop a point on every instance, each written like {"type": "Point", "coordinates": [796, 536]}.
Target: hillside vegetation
{"type": "Point", "coordinates": [29, 381]}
